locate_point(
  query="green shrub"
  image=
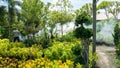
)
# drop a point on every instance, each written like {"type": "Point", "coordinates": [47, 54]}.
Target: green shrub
{"type": "Point", "coordinates": [44, 41]}
{"type": "Point", "coordinates": [83, 33]}
{"type": "Point", "coordinates": [29, 42]}
{"type": "Point", "coordinates": [116, 34]}
{"type": "Point", "coordinates": [69, 37]}
{"type": "Point", "coordinates": [60, 51]}
{"type": "Point", "coordinates": [116, 37]}
{"type": "Point", "coordinates": [18, 50]}
{"type": "Point", "coordinates": [118, 49]}
{"type": "Point", "coordinates": [17, 44]}
{"type": "Point", "coordinates": [117, 61]}
{"type": "Point", "coordinates": [77, 50]}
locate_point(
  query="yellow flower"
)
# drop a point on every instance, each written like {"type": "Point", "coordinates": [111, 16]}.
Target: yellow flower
{"type": "Point", "coordinates": [63, 66]}
{"type": "Point", "coordinates": [0, 58]}
{"type": "Point", "coordinates": [42, 63]}
{"type": "Point", "coordinates": [27, 66]}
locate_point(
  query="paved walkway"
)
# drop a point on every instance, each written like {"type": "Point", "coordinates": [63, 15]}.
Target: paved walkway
{"type": "Point", "coordinates": [106, 54]}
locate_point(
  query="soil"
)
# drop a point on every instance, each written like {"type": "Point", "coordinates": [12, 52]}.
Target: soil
{"type": "Point", "coordinates": [106, 54]}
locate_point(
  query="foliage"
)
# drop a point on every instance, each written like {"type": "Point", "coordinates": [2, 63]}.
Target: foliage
{"type": "Point", "coordinates": [118, 49]}
{"type": "Point", "coordinates": [18, 50]}
{"type": "Point", "coordinates": [44, 62]}
{"type": "Point", "coordinates": [37, 63]}
{"type": "Point", "coordinates": [77, 50]}
{"type": "Point", "coordinates": [69, 37]}
{"type": "Point", "coordinates": [60, 51]}
{"type": "Point", "coordinates": [92, 57]}
{"type": "Point", "coordinates": [8, 62]}
{"type": "Point", "coordinates": [110, 7]}
{"type": "Point", "coordinates": [65, 12]}
{"type": "Point", "coordinates": [78, 66]}
{"type": "Point", "coordinates": [85, 8]}
{"type": "Point", "coordinates": [83, 17]}
{"type": "Point", "coordinates": [117, 61]}
{"type": "Point", "coordinates": [116, 37]}
{"type": "Point", "coordinates": [3, 17]}
{"type": "Point", "coordinates": [116, 34]}
{"type": "Point", "coordinates": [4, 32]}
{"type": "Point", "coordinates": [3, 22]}
{"type": "Point", "coordinates": [83, 33]}
{"type": "Point", "coordinates": [80, 31]}
{"type": "Point", "coordinates": [45, 41]}
{"type": "Point", "coordinates": [34, 13]}
{"type": "Point", "coordinates": [104, 4]}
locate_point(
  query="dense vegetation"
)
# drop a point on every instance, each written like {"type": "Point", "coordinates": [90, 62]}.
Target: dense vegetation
{"type": "Point", "coordinates": [116, 36]}
{"type": "Point", "coordinates": [43, 44]}
{"type": "Point", "coordinates": [68, 54]}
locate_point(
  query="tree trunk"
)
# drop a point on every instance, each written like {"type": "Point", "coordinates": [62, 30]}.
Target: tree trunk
{"type": "Point", "coordinates": [85, 44]}
{"type": "Point", "coordinates": [116, 15]}
{"type": "Point", "coordinates": [106, 13]}
{"type": "Point", "coordinates": [61, 29]}
{"type": "Point", "coordinates": [51, 33]}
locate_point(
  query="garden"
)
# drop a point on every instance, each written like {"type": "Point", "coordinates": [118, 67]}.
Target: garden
{"type": "Point", "coordinates": [40, 34]}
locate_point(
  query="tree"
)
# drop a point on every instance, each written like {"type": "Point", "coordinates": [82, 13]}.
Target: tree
{"type": "Point", "coordinates": [83, 33]}
{"type": "Point", "coordinates": [65, 14]}
{"type": "Point", "coordinates": [80, 31]}
{"type": "Point", "coordinates": [110, 7]}
{"type": "Point", "coordinates": [86, 8]}
{"type": "Point", "coordinates": [3, 13]}
{"type": "Point", "coordinates": [106, 5]}
{"type": "Point", "coordinates": [52, 22]}
{"type": "Point", "coordinates": [35, 17]}
{"type": "Point", "coordinates": [32, 12]}
{"type": "Point", "coordinates": [11, 14]}
{"type": "Point", "coordinates": [115, 9]}
{"type": "Point", "coordinates": [3, 22]}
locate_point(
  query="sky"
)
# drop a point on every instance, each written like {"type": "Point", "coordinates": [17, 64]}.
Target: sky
{"type": "Point", "coordinates": [76, 3]}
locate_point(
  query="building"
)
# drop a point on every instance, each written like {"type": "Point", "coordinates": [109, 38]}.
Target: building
{"type": "Point", "coordinates": [102, 16]}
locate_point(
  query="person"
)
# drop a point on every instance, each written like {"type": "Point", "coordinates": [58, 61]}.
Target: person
{"type": "Point", "coordinates": [16, 34]}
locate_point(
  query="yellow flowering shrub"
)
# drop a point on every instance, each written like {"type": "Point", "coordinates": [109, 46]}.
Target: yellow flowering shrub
{"type": "Point", "coordinates": [19, 50]}
{"type": "Point", "coordinates": [8, 62]}
{"type": "Point", "coordinates": [46, 63]}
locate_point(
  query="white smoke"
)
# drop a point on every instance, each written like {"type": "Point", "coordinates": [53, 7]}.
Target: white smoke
{"type": "Point", "coordinates": [106, 31]}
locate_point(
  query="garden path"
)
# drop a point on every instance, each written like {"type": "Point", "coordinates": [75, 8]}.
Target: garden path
{"type": "Point", "coordinates": [106, 54]}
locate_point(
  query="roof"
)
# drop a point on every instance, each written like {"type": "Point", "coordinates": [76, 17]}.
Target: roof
{"type": "Point", "coordinates": [102, 16]}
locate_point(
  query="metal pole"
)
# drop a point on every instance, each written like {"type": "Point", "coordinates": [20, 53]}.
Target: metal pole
{"type": "Point", "coordinates": [94, 26]}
